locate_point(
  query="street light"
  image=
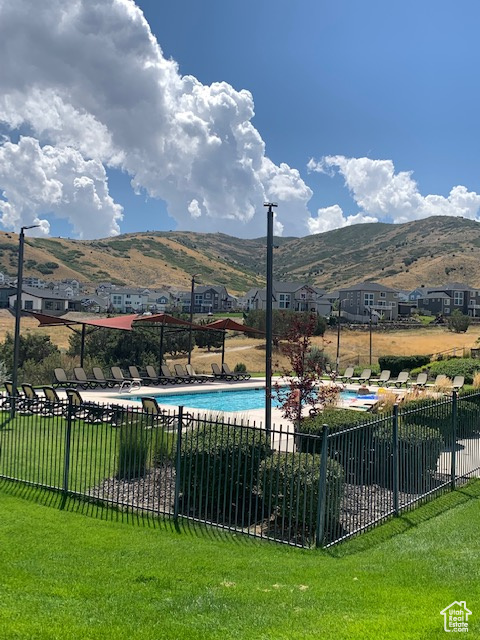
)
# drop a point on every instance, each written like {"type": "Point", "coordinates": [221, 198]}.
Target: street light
{"type": "Point", "coordinates": [268, 318]}
{"type": "Point", "coordinates": [338, 333]}
{"type": "Point", "coordinates": [18, 309]}
{"type": "Point", "coordinates": [369, 310]}
{"type": "Point", "coordinates": [192, 302]}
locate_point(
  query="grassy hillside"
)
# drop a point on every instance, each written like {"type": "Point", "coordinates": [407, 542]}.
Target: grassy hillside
{"type": "Point", "coordinates": [429, 251]}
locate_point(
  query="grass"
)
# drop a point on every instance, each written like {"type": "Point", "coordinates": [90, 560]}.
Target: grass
{"type": "Point", "coordinates": [67, 576]}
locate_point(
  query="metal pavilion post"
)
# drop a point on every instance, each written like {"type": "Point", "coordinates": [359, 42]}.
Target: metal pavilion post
{"type": "Point", "coordinates": [18, 310]}
{"type": "Point", "coordinates": [268, 318]}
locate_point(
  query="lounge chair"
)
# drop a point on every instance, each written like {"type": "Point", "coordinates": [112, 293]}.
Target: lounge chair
{"type": "Point", "coordinates": [61, 380]}
{"type": "Point", "coordinates": [159, 417]}
{"type": "Point", "coordinates": [102, 381]}
{"type": "Point", "coordinates": [191, 371]}
{"type": "Point", "coordinates": [402, 379]}
{"type": "Point", "coordinates": [347, 375]}
{"type": "Point", "coordinates": [7, 401]}
{"type": "Point", "coordinates": [181, 372]}
{"type": "Point", "coordinates": [53, 405]}
{"type": "Point", "coordinates": [83, 381]}
{"type": "Point", "coordinates": [383, 378]}
{"type": "Point", "coordinates": [154, 376]}
{"type": "Point", "coordinates": [363, 378]}
{"type": "Point", "coordinates": [87, 411]}
{"type": "Point", "coordinates": [168, 376]}
{"type": "Point", "coordinates": [239, 375]}
{"type": "Point", "coordinates": [420, 382]}
{"type": "Point", "coordinates": [440, 381]}
{"type": "Point", "coordinates": [32, 402]}
{"type": "Point", "coordinates": [218, 374]}
{"type": "Point", "coordinates": [458, 383]}
{"type": "Point", "coordinates": [136, 375]}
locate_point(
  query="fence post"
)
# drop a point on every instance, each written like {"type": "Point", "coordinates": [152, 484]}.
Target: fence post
{"type": "Point", "coordinates": [322, 490]}
{"type": "Point", "coordinates": [395, 459]}
{"type": "Point", "coordinates": [177, 463]}
{"type": "Point", "coordinates": [66, 457]}
{"type": "Point", "coordinates": [453, 458]}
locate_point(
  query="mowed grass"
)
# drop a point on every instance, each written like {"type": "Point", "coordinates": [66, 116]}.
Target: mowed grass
{"type": "Point", "coordinates": [68, 576]}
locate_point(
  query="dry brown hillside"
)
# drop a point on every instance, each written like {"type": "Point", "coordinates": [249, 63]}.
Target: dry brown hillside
{"type": "Point", "coordinates": [431, 251]}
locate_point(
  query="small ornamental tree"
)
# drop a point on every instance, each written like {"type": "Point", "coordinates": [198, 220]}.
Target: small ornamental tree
{"type": "Point", "coordinates": [458, 322]}
{"type": "Point", "coordinates": [304, 373]}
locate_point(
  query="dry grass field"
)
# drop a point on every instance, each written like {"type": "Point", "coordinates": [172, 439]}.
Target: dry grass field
{"type": "Point", "coordinates": [353, 344]}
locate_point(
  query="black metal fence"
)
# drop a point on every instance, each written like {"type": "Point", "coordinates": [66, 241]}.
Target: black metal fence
{"type": "Point", "coordinates": [296, 488]}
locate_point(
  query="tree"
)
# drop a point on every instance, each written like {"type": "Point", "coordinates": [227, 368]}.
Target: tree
{"type": "Point", "coordinates": [458, 322]}
{"type": "Point", "coordinates": [302, 388]}
{"type": "Point", "coordinates": [32, 346]}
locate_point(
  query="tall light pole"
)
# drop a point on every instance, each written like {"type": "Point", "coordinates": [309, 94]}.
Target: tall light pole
{"type": "Point", "coordinates": [369, 310]}
{"type": "Point", "coordinates": [268, 318]}
{"type": "Point", "coordinates": [337, 360]}
{"type": "Point", "coordinates": [18, 309]}
{"type": "Point", "coordinates": [192, 302]}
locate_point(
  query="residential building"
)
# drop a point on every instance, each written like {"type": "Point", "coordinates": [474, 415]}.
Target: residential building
{"type": "Point", "coordinates": [358, 301]}
{"type": "Point", "coordinates": [445, 299]}
{"type": "Point", "coordinates": [41, 300]}
{"type": "Point", "coordinates": [296, 296]}
{"type": "Point", "coordinates": [207, 299]}
{"type": "Point", "coordinates": [128, 300]}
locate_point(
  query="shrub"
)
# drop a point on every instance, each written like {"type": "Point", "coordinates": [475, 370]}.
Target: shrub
{"type": "Point", "coordinates": [289, 486]}
{"type": "Point", "coordinates": [438, 415]}
{"type": "Point", "coordinates": [419, 448]}
{"type": "Point", "coordinates": [353, 450]}
{"type": "Point", "coordinates": [219, 466]}
{"type": "Point", "coordinates": [133, 446]}
{"type": "Point", "coordinates": [396, 364]}
{"type": "Point", "coordinates": [240, 367]}
{"type": "Point", "coordinates": [458, 322]}
{"type": "Point", "coordinates": [452, 367]}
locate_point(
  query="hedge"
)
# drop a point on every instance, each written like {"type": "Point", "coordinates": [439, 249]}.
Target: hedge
{"type": "Point", "coordinates": [133, 449]}
{"type": "Point", "coordinates": [419, 448]}
{"type": "Point", "coordinates": [466, 367]}
{"type": "Point", "coordinates": [438, 415]}
{"type": "Point", "coordinates": [219, 467]}
{"type": "Point", "coordinates": [289, 486]}
{"type": "Point", "coordinates": [353, 450]}
{"type": "Point", "coordinates": [396, 364]}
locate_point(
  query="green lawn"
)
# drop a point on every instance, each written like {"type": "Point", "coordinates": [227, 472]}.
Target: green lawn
{"type": "Point", "coordinates": [69, 576]}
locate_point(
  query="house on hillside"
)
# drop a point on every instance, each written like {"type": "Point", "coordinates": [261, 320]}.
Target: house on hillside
{"type": "Point", "coordinates": [128, 300]}
{"type": "Point", "coordinates": [445, 299]}
{"type": "Point", "coordinates": [296, 296]}
{"type": "Point", "coordinates": [41, 300]}
{"type": "Point", "coordinates": [207, 299]}
{"type": "Point", "coordinates": [159, 301]}
{"type": "Point", "coordinates": [357, 301]}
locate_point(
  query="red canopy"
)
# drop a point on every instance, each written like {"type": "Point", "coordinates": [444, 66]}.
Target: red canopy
{"type": "Point", "coordinates": [225, 324]}
{"type": "Point", "coordinates": [164, 318]}
{"type": "Point", "coordinates": [118, 322]}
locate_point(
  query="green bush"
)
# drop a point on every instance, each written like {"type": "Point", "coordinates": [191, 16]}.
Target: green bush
{"type": "Point", "coordinates": [289, 486]}
{"type": "Point", "coordinates": [240, 367]}
{"type": "Point", "coordinates": [438, 415]}
{"type": "Point", "coordinates": [419, 448]}
{"type": "Point", "coordinates": [133, 448]}
{"type": "Point", "coordinates": [219, 466]}
{"type": "Point", "coordinates": [353, 450]}
{"type": "Point", "coordinates": [452, 367]}
{"type": "Point", "coordinates": [396, 364]}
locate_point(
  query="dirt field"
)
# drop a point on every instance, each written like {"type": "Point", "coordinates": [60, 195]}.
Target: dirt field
{"type": "Point", "coordinates": [354, 345]}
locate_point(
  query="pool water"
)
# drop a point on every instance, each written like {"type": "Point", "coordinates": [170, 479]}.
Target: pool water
{"type": "Point", "coordinates": [231, 400]}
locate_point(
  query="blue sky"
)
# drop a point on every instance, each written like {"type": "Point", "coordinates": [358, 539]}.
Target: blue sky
{"type": "Point", "coordinates": [372, 106]}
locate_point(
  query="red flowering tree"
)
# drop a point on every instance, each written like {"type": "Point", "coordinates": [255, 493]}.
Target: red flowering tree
{"type": "Point", "coordinates": [304, 385]}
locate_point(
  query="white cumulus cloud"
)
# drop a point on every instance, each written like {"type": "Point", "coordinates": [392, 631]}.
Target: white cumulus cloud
{"type": "Point", "coordinates": [381, 193]}
{"type": "Point", "coordinates": [88, 76]}
{"type": "Point", "coordinates": [36, 180]}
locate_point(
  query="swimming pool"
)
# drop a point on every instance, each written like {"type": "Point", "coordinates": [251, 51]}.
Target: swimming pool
{"type": "Point", "coordinates": [230, 399]}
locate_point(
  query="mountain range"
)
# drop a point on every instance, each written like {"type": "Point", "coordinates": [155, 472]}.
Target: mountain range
{"type": "Point", "coordinates": [432, 251]}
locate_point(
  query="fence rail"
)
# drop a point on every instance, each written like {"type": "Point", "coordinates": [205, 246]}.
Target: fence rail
{"type": "Point", "coordinates": [288, 486]}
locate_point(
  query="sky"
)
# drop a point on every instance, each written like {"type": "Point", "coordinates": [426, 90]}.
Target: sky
{"type": "Point", "coordinates": [118, 117]}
